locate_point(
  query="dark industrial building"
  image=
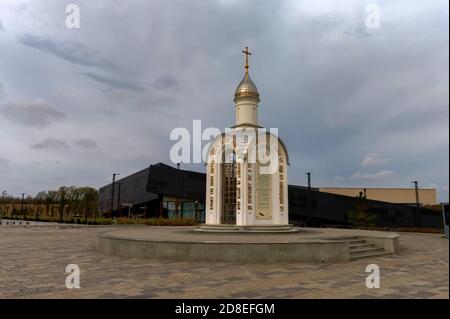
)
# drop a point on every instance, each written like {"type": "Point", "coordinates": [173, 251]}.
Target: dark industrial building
{"type": "Point", "coordinates": [157, 191]}
{"type": "Point", "coordinates": [164, 191]}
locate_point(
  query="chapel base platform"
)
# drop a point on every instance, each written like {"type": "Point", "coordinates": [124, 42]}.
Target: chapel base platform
{"type": "Point", "coordinates": [224, 228]}
{"type": "Point", "coordinates": [320, 245]}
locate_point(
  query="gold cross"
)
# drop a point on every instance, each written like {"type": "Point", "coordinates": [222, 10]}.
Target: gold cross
{"type": "Point", "coordinates": [247, 53]}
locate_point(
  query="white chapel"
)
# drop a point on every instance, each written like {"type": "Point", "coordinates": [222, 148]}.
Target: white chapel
{"type": "Point", "coordinates": [247, 168]}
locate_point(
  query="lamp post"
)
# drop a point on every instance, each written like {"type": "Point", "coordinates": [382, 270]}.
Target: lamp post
{"type": "Point", "coordinates": [308, 194]}
{"type": "Point", "coordinates": [130, 205]}
{"type": "Point", "coordinates": [418, 217]}
{"type": "Point", "coordinates": [196, 211]}
{"type": "Point", "coordinates": [88, 202]}
{"type": "Point", "coordinates": [177, 203]}
{"type": "Point", "coordinates": [112, 192]}
{"type": "Point", "coordinates": [3, 203]}
{"type": "Point", "coordinates": [118, 196]}
{"type": "Point", "coordinates": [22, 212]}
{"type": "Point", "coordinates": [416, 187]}
{"type": "Point", "coordinates": [36, 211]}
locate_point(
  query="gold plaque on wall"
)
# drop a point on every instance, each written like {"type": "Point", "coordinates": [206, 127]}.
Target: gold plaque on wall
{"type": "Point", "coordinates": [263, 195]}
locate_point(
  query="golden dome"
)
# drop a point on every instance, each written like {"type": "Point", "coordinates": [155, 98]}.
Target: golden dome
{"type": "Point", "coordinates": [246, 88]}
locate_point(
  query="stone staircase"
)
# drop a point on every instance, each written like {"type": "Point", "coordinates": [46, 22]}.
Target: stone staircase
{"type": "Point", "coordinates": [360, 248]}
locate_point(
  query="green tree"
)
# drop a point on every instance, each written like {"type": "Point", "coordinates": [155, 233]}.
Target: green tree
{"type": "Point", "coordinates": [39, 201]}
{"type": "Point", "coordinates": [51, 198]}
{"type": "Point", "coordinates": [88, 201]}
{"type": "Point", "coordinates": [62, 199]}
{"type": "Point", "coordinates": [359, 215]}
{"type": "Point", "coordinates": [73, 196]}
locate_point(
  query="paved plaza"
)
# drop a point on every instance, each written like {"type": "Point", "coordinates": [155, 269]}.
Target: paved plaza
{"type": "Point", "coordinates": [33, 262]}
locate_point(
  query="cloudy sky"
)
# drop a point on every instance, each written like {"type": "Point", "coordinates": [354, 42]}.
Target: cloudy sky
{"type": "Point", "coordinates": [356, 106]}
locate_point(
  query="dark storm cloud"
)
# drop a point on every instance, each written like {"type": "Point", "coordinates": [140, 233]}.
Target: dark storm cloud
{"type": "Point", "coordinates": [356, 107]}
{"type": "Point", "coordinates": [50, 143]}
{"type": "Point", "coordinates": [87, 143]}
{"type": "Point", "coordinates": [36, 114]}
{"type": "Point", "coordinates": [162, 83]}
{"type": "Point", "coordinates": [72, 52]}
{"type": "Point", "coordinates": [112, 82]}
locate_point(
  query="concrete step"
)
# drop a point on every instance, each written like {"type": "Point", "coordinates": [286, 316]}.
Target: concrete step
{"type": "Point", "coordinates": [365, 244]}
{"type": "Point", "coordinates": [345, 238]}
{"type": "Point", "coordinates": [279, 230]}
{"type": "Point", "coordinates": [364, 249]}
{"type": "Point", "coordinates": [247, 226]}
{"type": "Point", "coordinates": [267, 227]}
{"type": "Point", "coordinates": [357, 242]}
{"type": "Point", "coordinates": [360, 255]}
{"type": "Point", "coordinates": [215, 230]}
{"type": "Point", "coordinates": [251, 229]}
{"type": "Point", "coordinates": [360, 248]}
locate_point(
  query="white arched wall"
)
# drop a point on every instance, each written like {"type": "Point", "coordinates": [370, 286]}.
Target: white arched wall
{"type": "Point", "coordinates": [246, 185]}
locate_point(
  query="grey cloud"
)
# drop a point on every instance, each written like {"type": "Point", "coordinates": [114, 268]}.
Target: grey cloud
{"type": "Point", "coordinates": [4, 164]}
{"type": "Point", "coordinates": [44, 163]}
{"type": "Point", "coordinates": [113, 83]}
{"type": "Point", "coordinates": [86, 143]}
{"type": "Point", "coordinates": [383, 174]}
{"type": "Point", "coordinates": [157, 102]}
{"type": "Point", "coordinates": [160, 102]}
{"type": "Point", "coordinates": [31, 113]}
{"type": "Point", "coordinates": [166, 82]}
{"type": "Point", "coordinates": [1, 26]}
{"type": "Point", "coordinates": [72, 52]}
{"type": "Point", "coordinates": [336, 90]}
{"type": "Point", "coordinates": [373, 159]}
{"type": "Point", "coordinates": [51, 143]}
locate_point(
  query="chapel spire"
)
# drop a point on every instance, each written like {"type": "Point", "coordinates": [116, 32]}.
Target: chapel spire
{"type": "Point", "coordinates": [246, 88]}
{"type": "Point", "coordinates": [247, 53]}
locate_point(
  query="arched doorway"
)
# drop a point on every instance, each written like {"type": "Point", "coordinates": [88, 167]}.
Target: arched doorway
{"type": "Point", "coordinates": [229, 190]}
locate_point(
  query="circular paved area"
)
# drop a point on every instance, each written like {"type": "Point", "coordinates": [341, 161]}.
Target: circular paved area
{"type": "Point", "coordinates": [323, 245]}
{"type": "Point", "coordinates": [187, 234]}
{"type": "Point", "coordinates": [33, 262]}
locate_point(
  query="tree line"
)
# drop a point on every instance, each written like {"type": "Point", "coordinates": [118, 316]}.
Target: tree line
{"type": "Point", "coordinates": [66, 201]}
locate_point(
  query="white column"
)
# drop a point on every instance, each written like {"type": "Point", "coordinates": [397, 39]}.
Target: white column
{"type": "Point", "coordinates": [250, 215]}
{"type": "Point", "coordinates": [208, 211]}
{"type": "Point", "coordinates": [275, 179]}
{"type": "Point", "coordinates": [285, 216]}
{"type": "Point", "coordinates": [218, 193]}
{"type": "Point", "coordinates": [247, 111]}
{"type": "Point", "coordinates": [244, 201]}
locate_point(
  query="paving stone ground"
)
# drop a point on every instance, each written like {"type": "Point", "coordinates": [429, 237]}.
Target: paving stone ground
{"type": "Point", "coordinates": [33, 262]}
